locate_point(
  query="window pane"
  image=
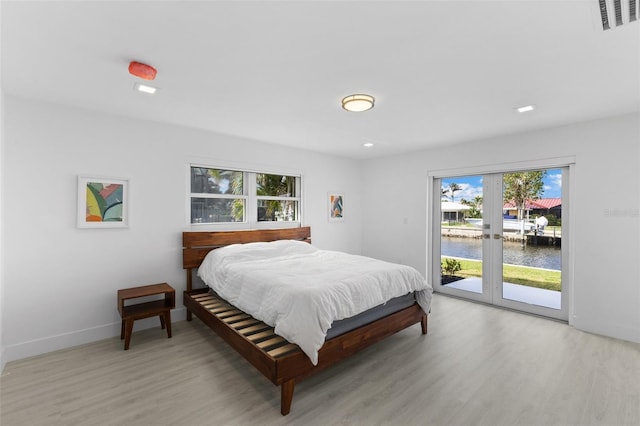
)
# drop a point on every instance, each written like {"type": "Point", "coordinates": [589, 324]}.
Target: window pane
{"type": "Point", "coordinates": [216, 181]}
{"type": "Point", "coordinates": [275, 185]}
{"type": "Point", "coordinates": [210, 210]}
{"type": "Point", "coordinates": [277, 210]}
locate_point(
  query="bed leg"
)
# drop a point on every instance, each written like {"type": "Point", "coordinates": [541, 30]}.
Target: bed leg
{"type": "Point", "coordinates": [424, 324]}
{"type": "Point", "coordinates": [189, 288]}
{"type": "Point", "coordinates": [286, 396]}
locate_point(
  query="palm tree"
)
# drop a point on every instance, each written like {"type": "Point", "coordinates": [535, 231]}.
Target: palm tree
{"type": "Point", "coordinates": [476, 207]}
{"type": "Point", "coordinates": [274, 186]}
{"type": "Point", "coordinates": [453, 187]}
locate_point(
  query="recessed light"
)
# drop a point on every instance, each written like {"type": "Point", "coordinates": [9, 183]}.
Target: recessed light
{"type": "Point", "coordinates": [526, 108]}
{"type": "Point", "coordinates": [358, 103]}
{"type": "Point", "coordinates": [367, 144]}
{"type": "Point", "coordinates": [144, 88]}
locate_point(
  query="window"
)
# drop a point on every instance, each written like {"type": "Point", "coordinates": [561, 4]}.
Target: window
{"type": "Point", "coordinates": [217, 195]}
{"type": "Point", "coordinates": [233, 196]}
{"type": "Point", "coordinates": [276, 196]}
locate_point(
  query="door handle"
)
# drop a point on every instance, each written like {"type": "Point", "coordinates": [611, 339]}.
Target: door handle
{"type": "Point", "coordinates": [498, 237]}
{"type": "Point", "coordinates": [486, 236]}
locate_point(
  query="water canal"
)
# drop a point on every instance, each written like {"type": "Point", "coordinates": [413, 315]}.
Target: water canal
{"type": "Point", "coordinates": [514, 253]}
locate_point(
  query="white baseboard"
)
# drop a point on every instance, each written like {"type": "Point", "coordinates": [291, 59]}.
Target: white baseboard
{"type": "Point", "coordinates": [79, 337]}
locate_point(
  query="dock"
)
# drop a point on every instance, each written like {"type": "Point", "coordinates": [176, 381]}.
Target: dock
{"type": "Point", "coordinates": [543, 240]}
{"type": "Point", "coordinates": [530, 238]}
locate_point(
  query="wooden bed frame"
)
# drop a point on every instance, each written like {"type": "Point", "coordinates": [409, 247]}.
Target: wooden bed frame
{"type": "Point", "coordinates": [280, 361]}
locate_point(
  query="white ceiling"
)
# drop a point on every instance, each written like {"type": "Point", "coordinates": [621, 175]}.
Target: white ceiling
{"type": "Point", "coordinates": [442, 72]}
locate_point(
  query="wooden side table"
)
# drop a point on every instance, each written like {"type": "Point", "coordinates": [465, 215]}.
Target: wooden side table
{"type": "Point", "coordinates": [161, 308]}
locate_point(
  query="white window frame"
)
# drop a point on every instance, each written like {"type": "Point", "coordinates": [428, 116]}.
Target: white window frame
{"type": "Point", "coordinates": [250, 197]}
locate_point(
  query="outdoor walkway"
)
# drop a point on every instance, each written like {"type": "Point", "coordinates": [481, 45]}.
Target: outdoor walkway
{"type": "Point", "coordinates": [520, 293]}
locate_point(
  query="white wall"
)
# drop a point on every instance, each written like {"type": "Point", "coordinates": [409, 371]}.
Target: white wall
{"type": "Point", "coordinates": [606, 293]}
{"type": "Point", "coordinates": [2, 206]}
{"type": "Point", "coordinates": [61, 281]}
{"type": "Point", "coordinates": [2, 358]}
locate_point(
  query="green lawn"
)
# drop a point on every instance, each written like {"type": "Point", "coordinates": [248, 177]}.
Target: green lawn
{"type": "Point", "coordinates": [523, 275]}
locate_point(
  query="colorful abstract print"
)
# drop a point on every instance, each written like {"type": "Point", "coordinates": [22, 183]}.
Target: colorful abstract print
{"type": "Point", "coordinates": [104, 202]}
{"type": "Point", "coordinates": [336, 206]}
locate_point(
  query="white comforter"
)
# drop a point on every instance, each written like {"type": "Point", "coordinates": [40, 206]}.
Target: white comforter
{"type": "Point", "coordinates": [301, 290]}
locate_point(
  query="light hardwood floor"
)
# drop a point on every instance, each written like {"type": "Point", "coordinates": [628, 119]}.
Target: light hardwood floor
{"type": "Point", "coordinates": [477, 366]}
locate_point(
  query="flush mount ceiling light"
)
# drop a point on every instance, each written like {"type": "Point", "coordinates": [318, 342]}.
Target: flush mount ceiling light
{"type": "Point", "coordinates": [358, 103]}
{"type": "Point", "coordinates": [526, 108]}
{"type": "Point", "coordinates": [368, 144]}
{"type": "Point", "coordinates": [144, 88]}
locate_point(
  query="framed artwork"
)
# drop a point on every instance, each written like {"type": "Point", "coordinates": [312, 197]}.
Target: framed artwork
{"type": "Point", "coordinates": [336, 206]}
{"type": "Point", "coordinates": [103, 202]}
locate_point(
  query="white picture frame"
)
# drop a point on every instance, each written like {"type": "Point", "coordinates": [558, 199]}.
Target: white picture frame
{"type": "Point", "coordinates": [103, 202]}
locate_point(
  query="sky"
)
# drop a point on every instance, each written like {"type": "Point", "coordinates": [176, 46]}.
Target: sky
{"type": "Point", "coordinates": [472, 185]}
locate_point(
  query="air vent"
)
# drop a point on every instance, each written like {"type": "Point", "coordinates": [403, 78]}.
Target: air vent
{"type": "Point", "coordinates": [615, 13]}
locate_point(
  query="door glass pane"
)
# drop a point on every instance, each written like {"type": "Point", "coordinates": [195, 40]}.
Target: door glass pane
{"type": "Point", "coordinates": [461, 233]}
{"type": "Point", "coordinates": [532, 235]}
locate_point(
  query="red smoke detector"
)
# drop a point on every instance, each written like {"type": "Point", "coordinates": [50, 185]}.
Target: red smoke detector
{"type": "Point", "coordinates": [143, 71]}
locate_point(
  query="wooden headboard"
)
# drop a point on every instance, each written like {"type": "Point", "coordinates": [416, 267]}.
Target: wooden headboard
{"type": "Point", "coordinates": [196, 245]}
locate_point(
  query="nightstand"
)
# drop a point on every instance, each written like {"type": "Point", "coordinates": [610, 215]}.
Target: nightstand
{"type": "Point", "coordinates": [135, 311]}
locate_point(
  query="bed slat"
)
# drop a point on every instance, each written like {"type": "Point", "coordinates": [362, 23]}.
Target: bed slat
{"type": "Point", "coordinates": [254, 329]}
{"type": "Point", "coordinates": [271, 342]}
{"type": "Point", "coordinates": [236, 318]}
{"type": "Point", "coordinates": [229, 313]}
{"type": "Point", "coordinates": [262, 335]}
{"type": "Point", "coordinates": [245, 324]}
{"type": "Point", "coordinates": [219, 309]}
{"type": "Point", "coordinates": [203, 297]}
{"type": "Point", "coordinates": [283, 350]}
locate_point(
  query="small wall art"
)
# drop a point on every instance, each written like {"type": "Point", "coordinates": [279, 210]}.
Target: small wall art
{"type": "Point", "coordinates": [103, 202]}
{"type": "Point", "coordinates": [336, 207]}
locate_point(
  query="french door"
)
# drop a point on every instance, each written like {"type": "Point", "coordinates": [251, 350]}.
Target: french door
{"type": "Point", "coordinates": [502, 238]}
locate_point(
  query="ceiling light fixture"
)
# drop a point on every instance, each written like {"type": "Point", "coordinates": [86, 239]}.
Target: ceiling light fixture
{"type": "Point", "coordinates": [144, 88]}
{"type": "Point", "coordinates": [526, 108]}
{"type": "Point", "coordinates": [367, 144]}
{"type": "Point", "coordinates": [358, 103]}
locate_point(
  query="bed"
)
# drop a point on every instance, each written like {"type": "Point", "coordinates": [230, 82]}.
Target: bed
{"type": "Point", "coordinates": [279, 359]}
